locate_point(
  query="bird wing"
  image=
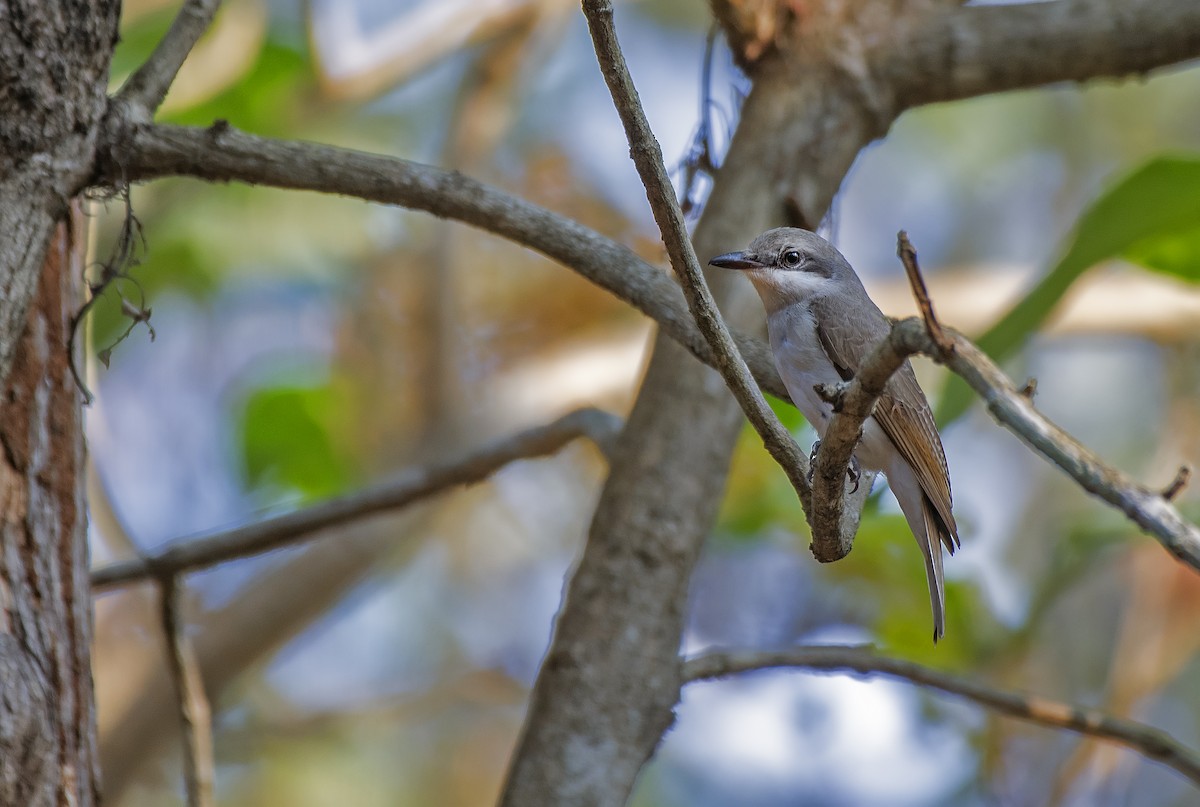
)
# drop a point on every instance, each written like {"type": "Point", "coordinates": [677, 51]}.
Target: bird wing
{"type": "Point", "coordinates": [848, 336]}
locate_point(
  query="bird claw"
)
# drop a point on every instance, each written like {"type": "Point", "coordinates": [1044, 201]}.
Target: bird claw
{"type": "Point", "coordinates": [853, 471]}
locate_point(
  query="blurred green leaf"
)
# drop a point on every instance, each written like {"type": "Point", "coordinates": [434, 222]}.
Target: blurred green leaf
{"type": "Point", "coordinates": [288, 440]}
{"type": "Point", "coordinates": [759, 494]}
{"type": "Point", "coordinates": [1176, 254]}
{"type": "Point", "coordinates": [268, 100]}
{"type": "Point", "coordinates": [1152, 216]}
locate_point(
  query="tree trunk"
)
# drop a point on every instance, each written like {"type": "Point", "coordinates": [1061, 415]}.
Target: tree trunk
{"type": "Point", "coordinates": [47, 712]}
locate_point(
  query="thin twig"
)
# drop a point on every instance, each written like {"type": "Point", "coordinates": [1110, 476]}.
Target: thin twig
{"type": "Point", "coordinates": [148, 86]}
{"type": "Point", "coordinates": [414, 484]}
{"type": "Point", "coordinates": [908, 256]}
{"type": "Point", "coordinates": [195, 716]}
{"type": "Point", "coordinates": [1182, 477]}
{"type": "Point", "coordinates": [1146, 740]}
{"type": "Point", "coordinates": [647, 156]}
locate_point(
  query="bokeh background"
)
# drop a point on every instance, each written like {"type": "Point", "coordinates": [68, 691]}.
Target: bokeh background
{"type": "Point", "coordinates": [307, 345]}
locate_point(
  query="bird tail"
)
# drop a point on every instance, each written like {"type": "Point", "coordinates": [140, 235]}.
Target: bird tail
{"type": "Point", "coordinates": [931, 540]}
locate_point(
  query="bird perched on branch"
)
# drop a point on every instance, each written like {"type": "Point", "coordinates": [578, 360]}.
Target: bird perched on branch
{"type": "Point", "coordinates": [822, 326]}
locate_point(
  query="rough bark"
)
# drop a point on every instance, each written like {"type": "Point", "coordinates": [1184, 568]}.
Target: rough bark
{"type": "Point", "coordinates": [54, 59]}
{"type": "Point", "coordinates": [47, 712]}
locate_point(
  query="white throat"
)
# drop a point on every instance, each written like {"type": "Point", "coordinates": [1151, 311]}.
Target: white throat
{"type": "Point", "coordinates": [780, 288]}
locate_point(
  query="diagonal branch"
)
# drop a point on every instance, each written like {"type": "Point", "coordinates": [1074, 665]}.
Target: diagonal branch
{"type": "Point", "coordinates": [415, 484]}
{"type": "Point", "coordinates": [647, 156]}
{"type": "Point", "coordinates": [1146, 740]}
{"type": "Point", "coordinates": [195, 715]}
{"type": "Point", "coordinates": [148, 85]}
{"type": "Point", "coordinates": [222, 153]}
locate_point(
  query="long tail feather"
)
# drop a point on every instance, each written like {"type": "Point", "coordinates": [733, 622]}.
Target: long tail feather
{"type": "Point", "coordinates": [931, 547]}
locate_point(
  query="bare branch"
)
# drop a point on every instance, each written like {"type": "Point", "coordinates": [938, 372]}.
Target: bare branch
{"type": "Point", "coordinates": [195, 716]}
{"type": "Point", "coordinates": [647, 156]}
{"type": "Point", "coordinates": [414, 484]}
{"type": "Point", "coordinates": [148, 85]}
{"type": "Point", "coordinates": [222, 153]}
{"type": "Point", "coordinates": [1146, 740]}
{"type": "Point", "coordinates": [1146, 508]}
{"type": "Point", "coordinates": [908, 256]}
{"type": "Point", "coordinates": [974, 50]}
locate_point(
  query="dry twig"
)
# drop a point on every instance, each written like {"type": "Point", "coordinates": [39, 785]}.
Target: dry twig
{"type": "Point", "coordinates": [195, 716]}
{"type": "Point", "coordinates": [908, 256]}
{"type": "Point", "coordinates": [1145, 740]}
{"type": "Point", "coordinates": [1182, 477]}
{"type": "Point", "coordinates": [414, 484]}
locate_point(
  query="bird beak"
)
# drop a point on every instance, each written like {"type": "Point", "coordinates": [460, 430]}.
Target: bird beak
{"type": "Point", "coordinates": [736, 260]}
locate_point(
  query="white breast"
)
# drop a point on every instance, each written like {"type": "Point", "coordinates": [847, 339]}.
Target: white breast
{"type": "Point", "coordinates": [803, 363]}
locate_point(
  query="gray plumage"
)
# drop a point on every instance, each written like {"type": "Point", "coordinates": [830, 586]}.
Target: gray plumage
{"type": "Point", "coordinates": [822, 325]}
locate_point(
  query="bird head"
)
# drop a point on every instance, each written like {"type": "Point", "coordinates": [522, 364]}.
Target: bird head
{"type": "Point", "coordinates": [788, 265]}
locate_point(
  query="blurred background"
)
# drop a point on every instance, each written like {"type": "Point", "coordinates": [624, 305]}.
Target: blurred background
{"type": "Point", "coordinates": [308, 345]}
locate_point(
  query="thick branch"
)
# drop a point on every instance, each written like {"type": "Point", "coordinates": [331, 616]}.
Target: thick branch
{"type": "Point", "coordinates": [1145, 740]}
{"type": "Point", "coordinates": [195, 716]}
{"type": "Point", "coordinates": [221, 153]}
{"type": "Point", "coordinates": [148, 85]}
{"type": "Point", "coordinates": [974, 50]}
{"type": "Point", "coordinates": [647, 156]}
{"type": "Point", "coordinates": [415, 484]}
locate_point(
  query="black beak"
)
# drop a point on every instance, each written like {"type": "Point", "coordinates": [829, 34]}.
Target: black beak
{"type": "Point", "coordinates": [736, 260]}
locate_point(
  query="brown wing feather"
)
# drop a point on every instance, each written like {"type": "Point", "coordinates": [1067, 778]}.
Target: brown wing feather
{"type": "Point", "coordinates": [902, 411]}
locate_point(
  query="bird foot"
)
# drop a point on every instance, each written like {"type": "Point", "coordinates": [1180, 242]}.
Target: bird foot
{"type": "Point", "coordinates": [853, 471]}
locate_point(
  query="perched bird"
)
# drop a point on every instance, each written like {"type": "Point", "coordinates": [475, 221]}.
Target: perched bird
{"type": "Point", "coordinates": [822, 326]}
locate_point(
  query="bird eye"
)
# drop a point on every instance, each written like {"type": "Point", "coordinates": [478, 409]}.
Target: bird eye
{"type": "Point", "coordinates": [790, 259]}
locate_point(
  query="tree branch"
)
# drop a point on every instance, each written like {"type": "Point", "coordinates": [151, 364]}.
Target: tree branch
{"type": "Point", "coordinates": [1147, 508]}
{"type": "Point", "coordinates": [975, 50]}
{"type": "Point", "coordinates": [148, 86]}
{"type": "Point", "coordinates": [195, 716]}
{"type": "Point", "coordinates": [1146, 740]}
{"type": "Point", "coordinates": [414, 484]}
{"type": "Point", "coordinates": [222, 154]}
{"type": "Point", "coordinates": [1011, 407]}
{"type": "Point", "coordinates": [647, 156]}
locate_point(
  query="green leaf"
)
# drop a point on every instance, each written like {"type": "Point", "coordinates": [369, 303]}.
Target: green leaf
{"type": "Point", "coordinates": [1175, 254]}
{"type": "Point", "coordinates": [288, 441]}
{"type": "Point", "coordinates": [1151, 216]}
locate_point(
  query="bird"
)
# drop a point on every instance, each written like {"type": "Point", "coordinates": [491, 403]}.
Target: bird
{"type": "Point", "coordinates": [822, 325]}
